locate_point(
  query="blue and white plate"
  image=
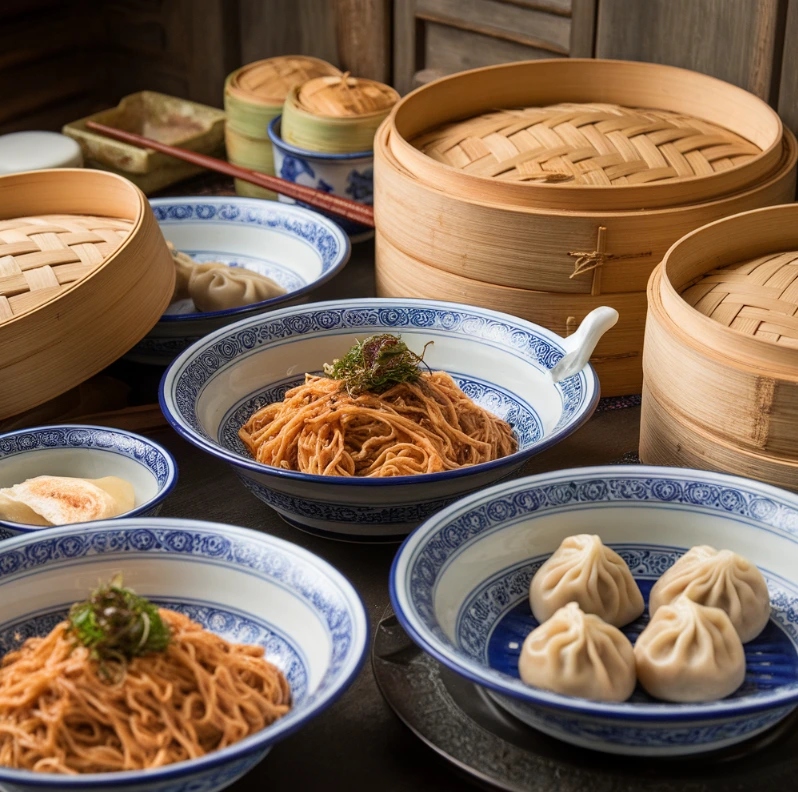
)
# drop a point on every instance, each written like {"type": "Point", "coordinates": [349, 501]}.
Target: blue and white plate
{"type": "Point", "coordinates": [296, 247]}
{"type": "Point", "coordinates": [460, 587]}
{"type": "Point", "coordinates": [349, 175]}
{"type": "Point", "coordinates": [93, 452]}
{"type": "Point", "coordinates": [246, 586]}
{"type": "Point", "coordinates": [500, 361]}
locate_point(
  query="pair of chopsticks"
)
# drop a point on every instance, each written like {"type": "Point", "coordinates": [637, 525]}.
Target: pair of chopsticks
{"type": "Point", "coordinates": [342, 207]}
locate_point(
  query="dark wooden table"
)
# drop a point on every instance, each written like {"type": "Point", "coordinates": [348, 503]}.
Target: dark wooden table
{"type": "Point", "coordinates": [358, 743]}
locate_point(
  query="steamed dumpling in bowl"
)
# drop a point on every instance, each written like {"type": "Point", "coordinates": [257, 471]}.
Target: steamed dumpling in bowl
{"type": "Point", "coordinates": [579, 654]}
{"type": "Point", "coordinates": [720, 579]}
{"type": "Point", "coordinates": [584, 570]}
{"type": "Point", "coordinates": [214, 286]}
{"type": "Point", "coordinates": [217, 287]}
{"type": "Point", "coordinates": [689, 652]}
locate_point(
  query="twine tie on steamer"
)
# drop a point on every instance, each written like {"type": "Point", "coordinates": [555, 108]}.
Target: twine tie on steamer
{"type": "Point", "coordinates": [589, 261]}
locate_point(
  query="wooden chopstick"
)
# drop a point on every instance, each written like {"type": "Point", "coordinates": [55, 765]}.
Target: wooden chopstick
{"type": "Point", "coordinates": [342, 207]}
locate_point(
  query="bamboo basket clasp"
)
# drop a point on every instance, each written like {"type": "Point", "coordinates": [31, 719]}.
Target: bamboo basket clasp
{"type": "Point", "coordinates": [592, 261]}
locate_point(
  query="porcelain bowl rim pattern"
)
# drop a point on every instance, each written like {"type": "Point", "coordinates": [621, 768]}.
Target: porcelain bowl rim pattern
{"type": "Point", "coordinates": [275, 208]}
{"type": "Point", "coordinates": [257, 742]}
{"type": "Point", "coordinates": [277, 140]}
{"type": "Point", "coordinates": [168, 393]}
{"type": "Point", "coordinates": [91, 442]}
{"type": "Point", "coordinates": [443, 651]}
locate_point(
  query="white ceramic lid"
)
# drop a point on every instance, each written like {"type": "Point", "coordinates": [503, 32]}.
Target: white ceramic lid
{"type": "Point", "coordinates": [25, 151]}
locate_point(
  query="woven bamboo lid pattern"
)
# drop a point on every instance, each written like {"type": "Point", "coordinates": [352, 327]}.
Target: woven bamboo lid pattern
{"type": "Point", "coordinates": [598, 144]}
{"type": "Point", "coordinates": [269, 81]}
{"type": "Point", "coordinates": [758, 297]}
{"type": "Point", "coordinates": [40, 257]}
{"type": "Point", "coordinates": [345, 96]}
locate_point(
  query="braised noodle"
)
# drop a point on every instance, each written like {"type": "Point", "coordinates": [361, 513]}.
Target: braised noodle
{"type": "Point", "coordinates": [422, 426]}
{"type": "Point", "coordinates": [202, 693]}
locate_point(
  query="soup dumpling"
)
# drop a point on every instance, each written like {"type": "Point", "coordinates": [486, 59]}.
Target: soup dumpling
{"type": "Point", "coordinates": [217, 287]}
{"type": "Point", "coordinates": [579, 654]}
{"type": "Point", "coordinates": [720, 579]}
{"type": "Point", "coordinates": [689, 653]}
{"type": "Point", "coordinates": [586, 571]}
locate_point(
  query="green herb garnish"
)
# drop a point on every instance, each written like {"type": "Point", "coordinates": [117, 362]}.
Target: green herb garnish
{"type": "Point", "coordinates": [116, 625]}
{"type": "Point", "coordinates": [376, 364]}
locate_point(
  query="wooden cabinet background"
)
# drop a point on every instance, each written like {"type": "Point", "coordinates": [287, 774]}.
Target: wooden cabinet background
{"type": "Point", "coordinates": [61, 60]}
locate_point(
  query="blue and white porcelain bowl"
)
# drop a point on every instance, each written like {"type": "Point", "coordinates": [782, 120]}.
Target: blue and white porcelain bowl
{"type": "Point", "coordinates": [87, 452]}
{"type": "Point", "coordinates": [244, 585]}
{"type": "Point", "coordinates": [460, 587]}
{"type": "Point", "coordinates": [348, 175]}
{"type": "Point", "coordinates": [500, 361]}
{"type": "Point", "coordinates": [296, 247]}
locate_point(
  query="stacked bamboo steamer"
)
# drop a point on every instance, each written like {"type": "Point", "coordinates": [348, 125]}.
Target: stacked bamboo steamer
{"type": "Point", "coordinates": [85, 274]}
{"type": "Point", "coordinates": [336, 115]}
{"type": "Point", "coordinates": [548, 188]}
{"type": "Point", "coordinates": [253, 96]}
{"type": "Point", "coordinates": [721, 350]}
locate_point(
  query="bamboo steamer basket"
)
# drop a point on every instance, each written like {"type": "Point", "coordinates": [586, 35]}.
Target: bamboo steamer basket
{"type": "Point", "coordinates": [542, 249]}
{"type": "Point", "coordinates": [721, 348]}
{"type": "Point", "coordinates": [253, 96]}
{"type": "Point", "coordinates": [85, 274]}
{"type": "Point", "coordinates": [336, 115]}
{"type": "Point", "coordinates": [667, 439]}
{"type": "Point", "coordinates": [617, 357]}
{"type": "Point", "coordinates": [733, 138]}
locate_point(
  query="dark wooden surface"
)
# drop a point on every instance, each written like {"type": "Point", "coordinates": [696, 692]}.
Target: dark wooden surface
{"type": "Point", "coordinates": [357, 744]}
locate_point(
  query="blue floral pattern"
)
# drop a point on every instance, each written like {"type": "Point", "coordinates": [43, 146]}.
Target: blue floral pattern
{"type": "Point", "coordinates": [315, 233]}
{"type": "Point", "coordinates": [360, 185]}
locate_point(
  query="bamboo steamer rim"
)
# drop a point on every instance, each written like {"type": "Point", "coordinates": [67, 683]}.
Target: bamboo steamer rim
{"type": "Point", "coordinates": [586, 80]}
{"type": "Point", "coordinates": [135, 226]}
{"type": "Point", "coordinates": [749, 354]}
{"type": "Point", "coordinates": [787, 161]}
{"type": "Point", "coordinates": [344, 96]}
{"type": "Point", "coordinates": [267, 82]}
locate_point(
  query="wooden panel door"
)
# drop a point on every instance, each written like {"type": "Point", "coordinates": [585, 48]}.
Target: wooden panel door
{"type": "Point", "coordinates": [433, 38]}
{"type": "Point", "coordinates": [735, 40]}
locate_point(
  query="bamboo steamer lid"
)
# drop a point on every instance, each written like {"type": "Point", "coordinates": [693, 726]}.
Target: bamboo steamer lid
{"type": "Point", "coordinates": [336, 115]}
{"type": "Point", "coordinates": [533, 247]}
{"type": "Point", "coordinates": [85, 273]}
{"type": "Point", "coordinates": [737, 385]}
{"type": "Point", "coordinates": [254, 94]}
{"type": "Point", "coordinates": [617, 357]}
{"type": "Point", "coordinates": [697, 137]}
{"type": "Point", "coordinates": [600, 144]}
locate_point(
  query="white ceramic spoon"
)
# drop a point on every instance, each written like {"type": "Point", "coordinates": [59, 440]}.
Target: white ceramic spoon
{"type": "Point", "coordinates": [579, 346]}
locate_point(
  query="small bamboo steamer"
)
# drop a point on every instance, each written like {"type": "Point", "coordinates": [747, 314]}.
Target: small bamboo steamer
{"type": "Point", "coordinates": [80, 291]}
{"type": "Point", "coordinates": [617, 357]}
{"type": "Point", "coordinates": [741, 390]}
{"type": "Point", "coordinates": [253, 96]}
{"type": "Point", "coordinates": [537, 248]}
{"type": "Point", "coordinates": [672, 177]}
{"type": "Point", "coordinates": [336, 115]}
